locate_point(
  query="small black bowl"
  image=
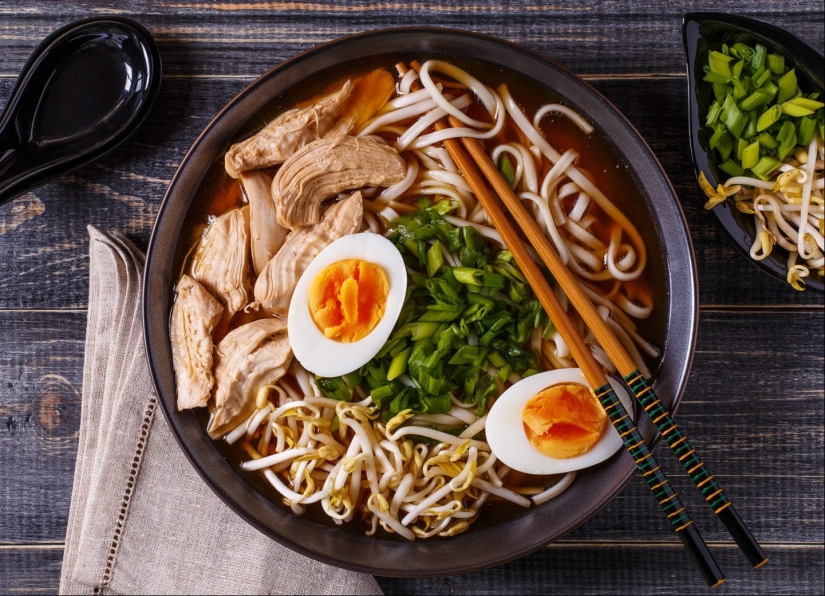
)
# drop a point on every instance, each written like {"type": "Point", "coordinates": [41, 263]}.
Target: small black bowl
{"type": "Point", "coordinates": [495, 538]}
{"type": "Point", "coordinates": [700, 31]}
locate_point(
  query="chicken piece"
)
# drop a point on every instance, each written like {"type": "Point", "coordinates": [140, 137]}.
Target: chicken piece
{"type": "Point", "coordinates": [221, 262]}
{"type": "Point", "coordinates": [194, 317]}
{"type": "Point", "coordinates": [326, 167]}
{"type": "Point", "coordinates": [288, 133]}
{"type": "Point", "coordinates": [274, 287]}
{"type": "Point", "coordinates": [249, 357]}
{"type": "Point", "coordinates": [266, 235]}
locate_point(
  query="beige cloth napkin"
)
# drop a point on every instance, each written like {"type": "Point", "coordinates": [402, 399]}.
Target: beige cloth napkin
{"type": "Point", "coordinates": [141, 519]}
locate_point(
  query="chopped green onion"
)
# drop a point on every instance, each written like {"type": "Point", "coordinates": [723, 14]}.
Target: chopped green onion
{"type": "Point", "coordinates": [767, 141]}
{"type": "Point", "coordinates": [768, 117]}
{"type": "Point", "coordinates": [733, 118]}
{"type": "Point", "coordinates": [468, 275]}
{"type": "Point", "coordinates": [434, 259]}
{"type": "Point", "coordinates": [508, 172]}
{"type": "Point", "coordinates": [731, 169]}
{"type": "Point", "coordinates": [750, 155]}
{"type": "Point", "coordinates": [787, 86]}
{"type": "Point", "coordinates": [719, 64]}
{"type": "Point", "coordinates": [451, 328]}
{"type": "Point", "coordinates": [737, 69]}
{"type": "Point", "coordinates": [754, 100]}
{"type": "Point", "coordinates": [334, 388]}
{"type": "Point", "coordinates": [740, 148]}
{"type": "Point", "coordinates": [398, 364]}
{"type": "Point", "coordinates": [776, 64]}
{"type": "Point", "coordinates": [765, 166]}
{"type": "Point", "coordinates": [806, 102]}
{"type": "Point", "coordinates": [787, 140]}
{"type": "Point", "coordinates": [740, 90]}
{"type": "Point", "coordinates": [760, 77]}
{"type": "Point", "coordinates": [759, 54]}
{"type": "Point", "coordinates": [496, 359]}
{"type": "Point", "coordinates": [713, 114]}
{"type": "Point", "coordinates": [504, 372]}
{"type": "Point", "coordinates": [750, 127]}
{"type": "Point", "coordinates": [805, 133]}
{"type": "Point", "coordinates": [725, 146]}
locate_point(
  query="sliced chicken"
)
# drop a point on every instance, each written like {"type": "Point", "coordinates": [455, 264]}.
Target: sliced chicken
{"type": "Point", "coordinates": [266, 235]}
{"type": "Point", "coordinates": [326, 167]}
{"type": "Point", "coordinates": [288, 133]}
{"type": "Point", "coordinates": [194, 317]}
{"type": "Point", "coordinates": [221, 262]}
{"type": "Point", "coordinates": [249, 357]}
{"type": "Point", "coordinates": [278, 279]}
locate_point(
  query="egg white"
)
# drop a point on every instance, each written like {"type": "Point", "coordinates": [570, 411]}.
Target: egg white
{"type": "Point", "coordinates": [509, 442]}
{"type": "Point", "coordinates": [329, 358]}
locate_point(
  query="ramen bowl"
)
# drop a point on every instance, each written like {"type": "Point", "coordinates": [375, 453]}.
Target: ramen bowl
{"type": "Point", "coordinates": [501, 533]}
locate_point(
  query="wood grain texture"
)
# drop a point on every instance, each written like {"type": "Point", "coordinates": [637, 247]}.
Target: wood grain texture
{"type": "Point", "coordinates": [231, 38]}
{"type": "Point", "coordinates": [44, 237]}
{"type": "Point", "coordinates": [562, 568]}
{"type": "Point", "coordinates": [41, 368]}
{"type": "Point", "coordinates": [768, 456]}
{"type": "Point", "coordinates": [756, 398]}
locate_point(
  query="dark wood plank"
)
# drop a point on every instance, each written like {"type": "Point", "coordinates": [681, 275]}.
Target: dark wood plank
{"type": "Point", "coordinates": [247, 38]}
{"type": "Point", "coordinates": [763, 439]}
{"type": "Point", "coordinates": [43, 234]}
{"type": "Point", "coordinates": [41, 368]}
{"type": "Point", "coordinates": [628, 568]}
{"type": "Point", "coordinates": [561, 568]}
{"type": "Point", "coordinates": [30, 570]}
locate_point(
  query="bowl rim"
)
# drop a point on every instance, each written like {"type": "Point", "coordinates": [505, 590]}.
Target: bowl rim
{"type": "Point", "coordinates": [726, 219]}
{"type": "Point", "coordinates": [621, 469]}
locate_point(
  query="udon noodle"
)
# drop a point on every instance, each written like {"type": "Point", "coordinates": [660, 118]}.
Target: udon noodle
{"type": "Point", "coordinates": [429, 474]}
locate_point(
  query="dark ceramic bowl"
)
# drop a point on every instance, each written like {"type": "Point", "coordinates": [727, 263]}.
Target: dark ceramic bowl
{"type": "Point", "coordinates": [700, 32]}
{"type": "Point", "coordinates": [501, 534]}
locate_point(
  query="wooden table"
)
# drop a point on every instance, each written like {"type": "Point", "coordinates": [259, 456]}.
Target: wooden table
{"type": "Point", "coordinates": [755, 399]}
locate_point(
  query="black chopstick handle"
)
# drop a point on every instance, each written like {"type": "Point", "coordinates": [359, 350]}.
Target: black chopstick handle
{"type": "Point", "coordinates": [659, 485]}
{"type": "Point", "coordinates": [701, 555]}
{"type": "Point", "coordinates": [696, 469]}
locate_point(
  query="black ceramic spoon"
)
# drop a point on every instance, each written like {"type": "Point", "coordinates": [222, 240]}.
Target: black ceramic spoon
{"type": "Point", "coordinates": [85, 90]}
{"type": "Point", "coordinates": [701, 31]}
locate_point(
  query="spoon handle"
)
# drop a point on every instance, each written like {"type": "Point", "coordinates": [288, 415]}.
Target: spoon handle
{"type": "Point", "coordinates": [696, 469]}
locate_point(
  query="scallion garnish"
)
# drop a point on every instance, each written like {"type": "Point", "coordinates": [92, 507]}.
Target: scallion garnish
{"type": "Point", "coordinates": [758, 115]}
{"type": "Point", "coordinates": [457, 334]}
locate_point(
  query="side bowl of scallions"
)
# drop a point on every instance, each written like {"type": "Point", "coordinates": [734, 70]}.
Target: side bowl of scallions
{"type": "Point", "coordinates": [756, 104]}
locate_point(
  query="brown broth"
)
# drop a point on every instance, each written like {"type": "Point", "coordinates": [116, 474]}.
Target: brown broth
{"type": "Point", "coordinates": [218, 192]}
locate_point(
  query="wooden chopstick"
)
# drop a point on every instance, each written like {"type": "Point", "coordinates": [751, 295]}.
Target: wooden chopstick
{"type": "Point", "coordinates": [623, 422]}
{"type": "Point", "coordinates": [674, 437]}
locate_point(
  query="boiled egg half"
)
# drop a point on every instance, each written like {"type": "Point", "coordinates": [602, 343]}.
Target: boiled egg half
{"type": "Point", "coordinates": [550, 423]}
{"type": "Point", "coordinates": [346, 304]}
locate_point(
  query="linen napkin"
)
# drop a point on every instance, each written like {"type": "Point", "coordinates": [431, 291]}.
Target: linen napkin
{"type": "Point", "coordinates": [141, 519]}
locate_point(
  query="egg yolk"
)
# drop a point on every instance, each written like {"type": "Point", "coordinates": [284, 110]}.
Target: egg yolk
{"type": "Point", "coordinates": [348, 298]}
{"type": "Point", "coordinates": [564, 421]}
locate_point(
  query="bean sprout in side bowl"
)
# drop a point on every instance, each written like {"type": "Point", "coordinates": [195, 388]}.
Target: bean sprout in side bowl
{"type": "Point", "coordinates": [341, 323]}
